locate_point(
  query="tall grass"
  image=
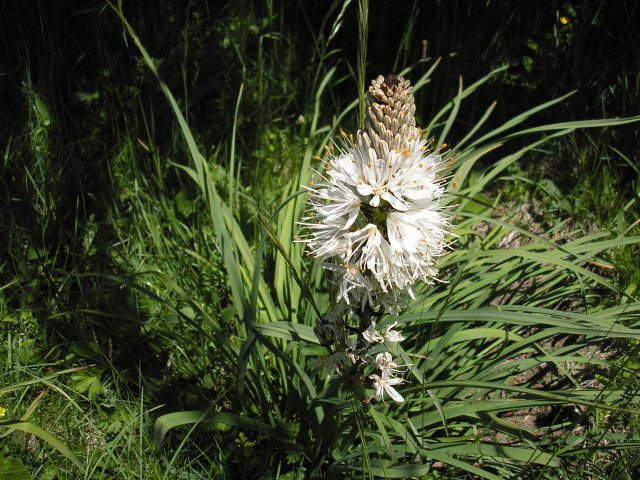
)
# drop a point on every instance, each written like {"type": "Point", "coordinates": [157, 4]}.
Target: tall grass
{"type": "Point", "coordinates": [478, 347]}
{"type": "Point", "coordinates": [522, 359]}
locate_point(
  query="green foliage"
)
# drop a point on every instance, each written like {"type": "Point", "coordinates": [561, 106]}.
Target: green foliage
{"type": "Point", "coordinates": [13, 469]}
{"type": "Point", "coordinates": [156, 313]}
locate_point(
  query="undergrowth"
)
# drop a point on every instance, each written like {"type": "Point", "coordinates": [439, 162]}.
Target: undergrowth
{"type": "Point", "coordinates": [157, 315]}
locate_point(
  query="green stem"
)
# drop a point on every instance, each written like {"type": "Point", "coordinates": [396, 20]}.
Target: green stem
{"type": "Point", "coordinates": [363, 21]}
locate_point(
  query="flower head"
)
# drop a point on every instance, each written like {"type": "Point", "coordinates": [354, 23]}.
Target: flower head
{"type": "Point", "coordinates": [384, 383]}
{"type": "Point", "coordinates": [377, 213]}
{"type": "Point", "coordinates": [371, 335]}
{"type": "Point", "coordinates": [384, 361]}
{"type": "Point", "coordinates": [3, 412]}
{"type": "Point", "coordinates": [392, 335]}
{"type": "Point", "coordinates": [378, 222]}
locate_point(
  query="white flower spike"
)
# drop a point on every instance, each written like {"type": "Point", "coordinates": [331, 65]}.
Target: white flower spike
{"type": "Point", "coordinates": [377, 220]}
{"type": "Point", "coordinates": [377, 213]}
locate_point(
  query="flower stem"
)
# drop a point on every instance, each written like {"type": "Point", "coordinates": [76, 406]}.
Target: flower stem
{"type": "Point", "coordinates": [363, 21]}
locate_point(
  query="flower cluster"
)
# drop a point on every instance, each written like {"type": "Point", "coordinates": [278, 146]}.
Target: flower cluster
{"type": "Point", "coordinates": [377, 214]}
{"type": "Point", "coordinates": [364, 352]}
{"type": "Point", "coordinates": [378, 223]}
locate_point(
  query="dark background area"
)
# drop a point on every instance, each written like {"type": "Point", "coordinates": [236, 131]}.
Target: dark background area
{"type": "Point", "coordinates": [206, 49]}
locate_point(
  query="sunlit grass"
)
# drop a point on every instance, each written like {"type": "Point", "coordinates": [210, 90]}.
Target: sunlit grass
{"type": "Point", "coordinates": [169, 333]}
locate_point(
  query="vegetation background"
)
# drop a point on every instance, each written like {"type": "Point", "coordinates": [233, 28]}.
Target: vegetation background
{"type": "Point", "coordinates": [131, 239]}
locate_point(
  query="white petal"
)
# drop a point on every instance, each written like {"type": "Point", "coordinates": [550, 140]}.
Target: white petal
{"type": "Point", "coordinates": [395, 202]}
{"type": "Point", "coordinates": [353, 216]}
{"type": "Point", "coordinates": [364, 189]}
{"type": "Point", "coordinates": [389, 380]}
{"type": "Point", "coordinates": [393, 393]}
{"type": "Point", "coordinates": [393, 336]}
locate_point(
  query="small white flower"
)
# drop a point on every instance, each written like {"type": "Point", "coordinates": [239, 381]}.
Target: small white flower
{"type": "Point", "coordinates": [355, 288]}
{"type": "Point", "coordinates": [384, 361]}
{"type": "Point", "coordinates": [392, 335]}
{"type": "Point", "coordinates": [371, 335]}
{"type": "Point", "coordinates": [385, 383]}
{"type": "Point", "coordinates": [351, 349]}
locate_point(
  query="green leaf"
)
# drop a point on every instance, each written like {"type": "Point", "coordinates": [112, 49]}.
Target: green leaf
{"type": "Point", "coordinates": [287, 331]}
{"type": "Point", "coordinates": [172, 420]}
{"type": "Point", "coordinates": [13, 469]}
{"type": "Point", "coordinates": [89, 381]}
{"type": "Point", "coordinates": [33, 429]}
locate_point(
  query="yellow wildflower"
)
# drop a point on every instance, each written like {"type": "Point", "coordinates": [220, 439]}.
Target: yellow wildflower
{"type": "Point", "coordinates": [3, 412]}
{"type": "Point", "coordinates": [564, 20]}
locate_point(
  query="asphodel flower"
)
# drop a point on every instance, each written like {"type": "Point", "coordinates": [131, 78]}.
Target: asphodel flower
{"type": "Point", "coordinates": [377, 216]}
{"type": "Point", "coordinates": [384, 384]}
